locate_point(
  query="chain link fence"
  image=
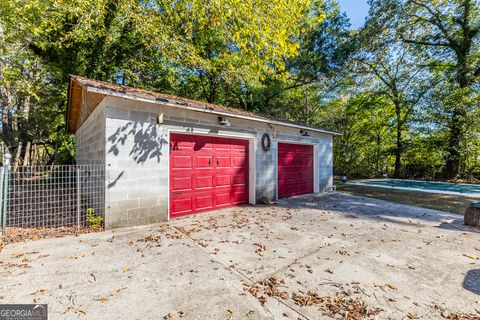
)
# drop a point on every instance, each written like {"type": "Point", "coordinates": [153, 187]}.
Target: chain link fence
{"type": "Point", "coordinates": [40, 201]}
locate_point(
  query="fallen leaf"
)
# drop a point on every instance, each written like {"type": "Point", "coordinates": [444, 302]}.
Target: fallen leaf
{"type": "Point", "coordinates": [340, 304]}
{"type": "Point", "coordinates": [114, 293]}
{"type": "Point", "coordinates": [77, 257]}
{"type": "Point", "coordinates": [268, 287]}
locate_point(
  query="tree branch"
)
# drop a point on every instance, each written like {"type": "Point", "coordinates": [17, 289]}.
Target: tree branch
{"type": "Point", "coordinates": [427, 43]}
{"type": "Point", "coordinates": [438, 21]}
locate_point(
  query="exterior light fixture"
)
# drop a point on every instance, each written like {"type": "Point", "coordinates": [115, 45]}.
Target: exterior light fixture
{"type": "Point", "coordinates": [305, 133]}
{"type": "Point", "coordinates": [223, 121]}
{"type": "Point", "coordinates": [160, 119]}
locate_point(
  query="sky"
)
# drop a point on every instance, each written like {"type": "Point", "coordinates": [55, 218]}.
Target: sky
{"type": "Point", "coordinates": [356, 10]}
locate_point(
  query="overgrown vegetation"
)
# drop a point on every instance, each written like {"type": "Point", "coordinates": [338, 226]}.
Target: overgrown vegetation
{"type": "Point", "coordinates": [403, 90]}
{"type": "Point", "coordinates": [94, 221]}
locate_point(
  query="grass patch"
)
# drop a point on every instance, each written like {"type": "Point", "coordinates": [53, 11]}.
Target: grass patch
{"type": "Point", "coordinates": [444, 202]}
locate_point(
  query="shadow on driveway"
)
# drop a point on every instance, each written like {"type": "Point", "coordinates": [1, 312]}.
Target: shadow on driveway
{"type": "Point", "coordinates": [379, 210]}
{"type": "Point", "coordinates": [472, 281]}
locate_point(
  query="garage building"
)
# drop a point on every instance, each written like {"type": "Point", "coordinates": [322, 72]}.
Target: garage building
{"type": "Point", "coordinates": [167, 156]}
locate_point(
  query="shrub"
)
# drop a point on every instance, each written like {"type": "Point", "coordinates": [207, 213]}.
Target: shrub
{"type": "Point", "coordinates": [94, 221]}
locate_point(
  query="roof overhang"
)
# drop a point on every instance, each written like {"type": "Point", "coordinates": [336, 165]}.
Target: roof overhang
{"type": "Point", "coordinates": [84, 97]}
{"type": "Point", "coordinates": [81, 103]}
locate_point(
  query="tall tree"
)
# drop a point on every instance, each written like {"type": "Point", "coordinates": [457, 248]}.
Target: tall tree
{"type": "Point", "coordinates": [364, 119]}
{"type": "Point", "coordinates": [392, 70]}
{"type": "Point", "coordinates": [221, 38]}
{"type": "Point", "coordinates": [292, 92]}
{"type": "Point", "coordinates": [162, 45]}
{"type": "Point", "coordinates": [449, 32]}
{"type": "Point", "coordinates": [32, 104]}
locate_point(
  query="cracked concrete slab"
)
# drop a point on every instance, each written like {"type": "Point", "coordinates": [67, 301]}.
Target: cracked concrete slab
{"type": "Point", "coordinates": [404, 260]}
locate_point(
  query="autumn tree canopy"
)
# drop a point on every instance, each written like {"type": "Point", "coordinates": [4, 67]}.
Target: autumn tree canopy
{"type": "Point", "coordinates": [403, 89]}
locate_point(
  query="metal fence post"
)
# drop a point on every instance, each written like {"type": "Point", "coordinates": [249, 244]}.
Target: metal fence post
{"type": "Point", "coordinates": [2, 240]}
{"type": "Point", "coordinates": [5, 195]}
{"type": "Point", "coordinates": [78, 199]}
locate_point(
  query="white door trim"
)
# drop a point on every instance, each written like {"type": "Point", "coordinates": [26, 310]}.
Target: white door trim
{"type": "Point", "coordinates": [251, 159]}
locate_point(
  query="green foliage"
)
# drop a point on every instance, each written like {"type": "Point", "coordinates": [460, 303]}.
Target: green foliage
{"type": "Point", "coordinates": [94, 221]}
{"type": "Point", "coordinates": [445, 34]}
{"type": "Point", "coordinates": [403, 90]}
{"type": "Point", "coordinates": [364, 122]}
{"type": "Point", "coordinates": [203, 50]}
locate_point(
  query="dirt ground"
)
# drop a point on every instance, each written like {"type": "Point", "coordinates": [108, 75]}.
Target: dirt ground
{"type": "Point", "coordinates": [310, 257]}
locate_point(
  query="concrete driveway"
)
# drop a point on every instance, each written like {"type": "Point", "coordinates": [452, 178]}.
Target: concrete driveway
{"type": "Point", "coordinates": [310, 257]}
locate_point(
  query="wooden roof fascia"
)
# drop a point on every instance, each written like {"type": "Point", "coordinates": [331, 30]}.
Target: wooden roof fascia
{"type": "Point", "coordinates": [91, 88]}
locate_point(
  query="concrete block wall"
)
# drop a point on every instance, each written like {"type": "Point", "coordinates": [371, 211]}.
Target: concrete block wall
{"type": "Point", "coordinates": [265, 169]}
{"type": "Point", "coordinates": [137, 168]}
{"type": "Point", "coordinates": [325, 163]}
{"type": "Point", "coordinates": [91, 138]}
{"type": "Point", "coordinates": [91, 158]}
{"type": "Point", "coordinates": [137, 156]}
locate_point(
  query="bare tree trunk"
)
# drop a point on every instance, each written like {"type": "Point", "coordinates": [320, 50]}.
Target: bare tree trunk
{"type": "Point", "coordinates": [457, 126]}
{"type": "Point", "coordinates": [457, 122]}
{"type": "Point", "coordinates": [399, 141]}
{"type": "Point", "coordinates": [456, 135]}
{"type": "Point", "coordinates": [6, 101]}
{"type": "Point", "coordinates": [7, 125]}
{"type": "Point", "coordinates": [212, 92]}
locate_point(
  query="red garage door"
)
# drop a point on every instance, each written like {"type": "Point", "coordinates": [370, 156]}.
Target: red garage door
{"type": "Point", "coordinates": [207, 173]}
{"type": "Point", "coordinates": [295, 169]}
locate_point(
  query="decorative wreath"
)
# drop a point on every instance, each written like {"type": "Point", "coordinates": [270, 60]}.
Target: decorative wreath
{"type": "Point", "coordinates": [266, 142]}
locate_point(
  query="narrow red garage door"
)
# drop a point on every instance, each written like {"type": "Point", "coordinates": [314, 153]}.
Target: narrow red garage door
{"type": "Point", "coordinates": [295, 169]}
{"type": "Point", "coordinates": [207, 173]}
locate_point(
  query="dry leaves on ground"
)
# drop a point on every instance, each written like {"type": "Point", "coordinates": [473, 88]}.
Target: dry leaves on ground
{"type": "Point", "coordinates": [268, 288]}
{"type": "Point", "coordinates": [471, 257]}
{"type": "Point", "coordinates": [349, 308]}
{"type": "Point", "coordinates": [72, 307]}
{"type": "Point", "coordinates": [150, 238]}
{"type": "Point", "coordinates": [171, 315]}
{"type": "Point", "coordinates": [412, 315]}
{"type": "Point", "coordinates": [27, 234]}
{"type": "Point", "coordinates": [112, 294]}
{"type": "Point", "coordinates": [386, 287]}
{"type": "Point", "coordinates": [260, 249]}
{"type": "Point", "coordinates": [151, 241]}
{"type": "Point", "coordinates": [457, 316]}
{"type": "Point", "coordinates": [12, 265]}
